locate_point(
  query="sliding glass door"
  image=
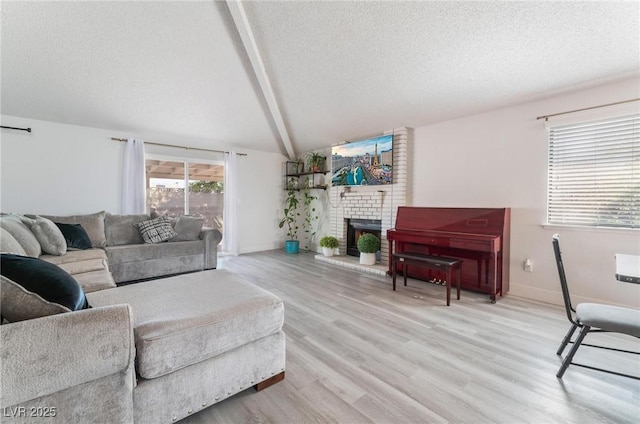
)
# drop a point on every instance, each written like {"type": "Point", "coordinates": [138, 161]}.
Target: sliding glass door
{"type": "Point", "coordinates": [176, 187]}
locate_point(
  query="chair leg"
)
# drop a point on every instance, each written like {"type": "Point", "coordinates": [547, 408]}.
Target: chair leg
{"type": "Point", "coordinates": [567, 360]}
{"type": "Point", "coordinates": [566, 339]}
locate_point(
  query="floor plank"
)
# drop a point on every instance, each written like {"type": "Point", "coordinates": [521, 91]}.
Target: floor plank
{"type": "Point", "coordinates": [358, 352]}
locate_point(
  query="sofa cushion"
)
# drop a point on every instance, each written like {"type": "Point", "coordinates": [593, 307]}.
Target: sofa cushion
{"type": "Point", "coordinates": [156, 230]}
{"type": "Point", "coordinates": [188, 228]}
{"type": "Point", "coordinates": [23, 235]}
{"type": "Point", "coordinates": [48, 234]}
{"type": "Point", "coordinates": [93, 224]}
{"type": "Point", "coordinates": [122, 229]}
{"type": "Point", "coordinates": [183, 320]}
{"type": "Point", "coordinates": [8, 243]}
{"type": "Point", "coordinates": [76, 256]}
{"type": "Point", "coordinates": [144, 252]}
{"type": "Point", "coordinates": [88, 267]}
{"type": "Point", "coordinates": [46, 282]}
{"type": "Point", "coordinates": [75, 236]}
{"type": "Point", "coordinates": [95, 280]}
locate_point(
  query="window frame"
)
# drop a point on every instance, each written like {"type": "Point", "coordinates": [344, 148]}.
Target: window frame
{"type": "Point", "coordinates": [581, 119]}
{"type": "Point", "coordinates": [185, 162]}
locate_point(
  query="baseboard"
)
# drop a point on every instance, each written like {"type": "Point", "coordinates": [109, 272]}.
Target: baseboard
{"type": "Point", "coordinates": [261, 247]}
{"type": "Point", "coordinates": [534, 293]}
{"type": "Point", "coordinates": [550, 296]}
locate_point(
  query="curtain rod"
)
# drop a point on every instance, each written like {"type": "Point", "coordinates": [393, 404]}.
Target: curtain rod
{"type": "Point", "coordinates": [180, 147]}
{"type": "Point", "coordinates": [16, 128]}
{"type": "Point", "coordinates": [546, 117]}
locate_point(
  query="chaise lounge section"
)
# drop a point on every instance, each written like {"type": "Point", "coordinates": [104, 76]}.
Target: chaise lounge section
{"type": "Point", "coordinates": [196, 338]}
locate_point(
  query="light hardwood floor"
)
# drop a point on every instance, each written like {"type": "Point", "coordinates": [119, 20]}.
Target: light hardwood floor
{"type": "Point", "coordinates": [357, 352]}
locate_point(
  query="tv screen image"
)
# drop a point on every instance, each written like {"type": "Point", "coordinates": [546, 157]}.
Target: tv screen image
{"type": "Point", "coordinates": [363, 162]}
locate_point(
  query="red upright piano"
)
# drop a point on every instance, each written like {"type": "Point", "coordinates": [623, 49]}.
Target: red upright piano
{"type": "Point", "coordinates": [478, 236]}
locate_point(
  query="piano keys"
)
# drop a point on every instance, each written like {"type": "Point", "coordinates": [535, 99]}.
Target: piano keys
{"type": "Point", "coordinates": [478, 236]}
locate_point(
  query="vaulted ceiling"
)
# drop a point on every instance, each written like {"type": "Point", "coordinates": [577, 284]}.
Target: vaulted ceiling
{"type": "Point", "coordinates": [289, 77]}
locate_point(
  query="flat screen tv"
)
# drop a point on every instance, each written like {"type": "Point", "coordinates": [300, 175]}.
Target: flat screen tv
{"type": "Point", "coordinates": [363, 162]}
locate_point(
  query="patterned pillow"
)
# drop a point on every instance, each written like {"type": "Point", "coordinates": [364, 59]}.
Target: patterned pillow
{"type": "Point", "coordinates": [156, 230]}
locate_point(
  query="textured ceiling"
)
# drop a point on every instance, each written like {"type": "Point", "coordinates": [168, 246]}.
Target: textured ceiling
{"type": "Point", "coordinates": [178, 71]}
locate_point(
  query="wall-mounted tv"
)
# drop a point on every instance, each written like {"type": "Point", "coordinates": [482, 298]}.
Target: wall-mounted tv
{"type": "Point", "coordinates": [363, 162]}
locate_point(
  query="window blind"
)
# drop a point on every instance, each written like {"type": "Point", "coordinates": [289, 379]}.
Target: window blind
{"type": "Point", "coordinates": [594, 173]}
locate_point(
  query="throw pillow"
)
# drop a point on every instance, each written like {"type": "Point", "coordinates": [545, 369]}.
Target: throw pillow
{"type": "Point", "coordinates": [19, 304]}
{"type": "Point", "coordinates": [34, 287]}
{"type": "Point", "coordinates": [188, 228]}
{"type": "Point", "coordinates": [93, 224]}
{"type": "Point", "coordinates": [8, 243]}
{"type": "Point", "coordinates": [23, 235]}
{"type": "Point", "coordinates": [49, 236]}
{"type": "Point", "coordinates": [75, 236]}
{"type": "Point", "coordinates": [156, 230]}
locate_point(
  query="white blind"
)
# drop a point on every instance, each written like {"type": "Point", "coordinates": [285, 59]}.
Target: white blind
{"type": "Point", "coordinates": [594, 173]}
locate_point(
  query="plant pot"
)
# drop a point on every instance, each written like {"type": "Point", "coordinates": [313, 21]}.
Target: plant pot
{"type": "Point", "coordinates": [327, 251]}
{"type": "Point", "coordinates": [292, 246]}
{"type": "Point", "coordinates": [367, 258]}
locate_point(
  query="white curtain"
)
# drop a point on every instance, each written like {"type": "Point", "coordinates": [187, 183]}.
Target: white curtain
{"type": "Point", "coordinates": [133, 178]}
{"type": "Point", "coordinates": [230, 225]}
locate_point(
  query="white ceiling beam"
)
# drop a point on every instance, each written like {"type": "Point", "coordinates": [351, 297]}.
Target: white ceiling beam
{"type": "Point", "coordinates": [249, 42]}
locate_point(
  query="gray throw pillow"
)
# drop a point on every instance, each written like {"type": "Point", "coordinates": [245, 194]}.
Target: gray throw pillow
{"type": "Point", "coordinates": [8, 243]}
{"type": "Point", "coordinates": [188, 228]}
{"type": "Point", "coordinates": [93, 224]}
{"type": "Point", "coordinates": [23, 235]}
{"type": "Point", "coordinates": [156, 230]}
{"type": "Point", "coordinates": [48, 234]}
{"type": "Point", "coordinates": [19, 304]}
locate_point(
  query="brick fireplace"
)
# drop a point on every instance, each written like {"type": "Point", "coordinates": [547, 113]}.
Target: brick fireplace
{"type": "Point", "coordinates": [369, 203]}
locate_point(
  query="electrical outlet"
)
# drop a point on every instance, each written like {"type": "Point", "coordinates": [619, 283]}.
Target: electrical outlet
{"type": "Point", "coordinates": [528, 265]}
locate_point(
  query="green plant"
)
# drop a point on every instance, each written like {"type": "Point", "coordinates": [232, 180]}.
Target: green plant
{"type": "Point", "coordinates": [329, 241]}
{"type": "Point", "coordinates": [310, 215]}
{"type": "Point", "coordinates": [368, 243]}
{"type": "Point", "coordinates": [291, 214]}
{"type": "Point", "coordinates": [315, 160]}
{"type": "Point", "coordinates": [206, 187]}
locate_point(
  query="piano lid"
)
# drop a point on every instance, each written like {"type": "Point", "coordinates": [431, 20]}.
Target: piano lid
{"type": "Point", "coordinates": [462, 220]}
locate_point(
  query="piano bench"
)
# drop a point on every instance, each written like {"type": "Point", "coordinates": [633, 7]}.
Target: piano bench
{"type": "Point", "coordinates": [437, 263]}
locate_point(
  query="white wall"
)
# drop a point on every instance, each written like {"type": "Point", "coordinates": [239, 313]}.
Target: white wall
{"type": "Point", "coordinates": [68, 169]}
{"type": "Point", "coordinates": [260, 201]}
{"type": "Point", "coordinates": [58, 168]}
{"type": "Point", "coordinates": [499, 159]}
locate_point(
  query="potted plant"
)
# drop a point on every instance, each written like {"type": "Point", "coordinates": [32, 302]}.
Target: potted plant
{"type": "Point", "coordinates": [290, 219]}
{"type": "Point", "coordinates": [309, 214]}
{"type": "Point", "coordinates": [329, 244]}
{"type": "Point", "coordinates": [368, 245]}
{"type": "Point", "coordinates": [315, 161]}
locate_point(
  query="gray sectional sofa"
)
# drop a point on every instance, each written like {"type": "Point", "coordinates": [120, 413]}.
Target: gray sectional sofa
{"type": "Point", "coordinates": [151, 352]}
{"type": "Point", "coordinates": [129, 257]}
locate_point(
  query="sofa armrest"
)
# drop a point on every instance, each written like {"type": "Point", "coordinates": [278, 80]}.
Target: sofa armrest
{"type": "Point", "coordinates": [45, 355]}
{"type": "Point", "coordinates": [211, 237]}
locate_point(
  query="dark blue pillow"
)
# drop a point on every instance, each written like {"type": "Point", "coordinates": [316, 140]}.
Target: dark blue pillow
{"type": "Point", "coordinates": [75, 235]}
{"type": "Point", "coordinates": [49, 281]}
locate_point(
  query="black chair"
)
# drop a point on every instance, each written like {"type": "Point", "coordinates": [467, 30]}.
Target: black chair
{"type": "Point", "coordinates": [591, 318]}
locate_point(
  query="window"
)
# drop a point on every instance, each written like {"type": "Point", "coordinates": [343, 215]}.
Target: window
{"type": "Point", "coordinates": [594, 173]}
{"type": "Point", "coordinates": [185, 187]}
